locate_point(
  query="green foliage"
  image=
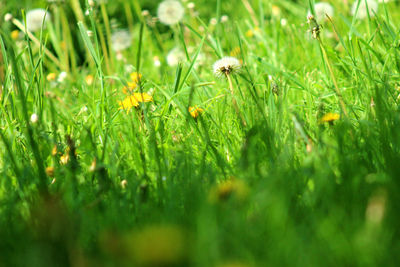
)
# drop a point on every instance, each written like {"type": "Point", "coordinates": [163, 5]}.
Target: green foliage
{"type": "Point", "coordinates": [307, 176]}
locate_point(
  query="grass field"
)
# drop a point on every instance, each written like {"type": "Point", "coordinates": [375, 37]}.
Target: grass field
{"type": "Point", "coordinates": [124, 141]}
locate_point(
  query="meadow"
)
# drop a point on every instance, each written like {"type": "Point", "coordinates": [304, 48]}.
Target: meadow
{"type": "Point", "coordinates": [237, 133]}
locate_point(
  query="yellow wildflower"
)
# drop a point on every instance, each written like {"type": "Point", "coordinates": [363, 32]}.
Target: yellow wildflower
{"type": "Point", "coordinates": [129, 89]}
{"type": "Point", "coordinates": [195, 111]}
{"type": "Point", "coordinates": [15, 34]}
{"type": "Point", "coordinates": [135, 77]}
{"type": "Point", "coordinates": [89, 80]}
{"type": "Point", "coordinates": [276, 11]}
{"type": "Point", "coordinates": [54, 150]}
{"type": "Point", "coordinates": [134, 100]}
{"type": "Point", "coordinates": [330, 117]}
{"type": "Point", "coordinates": [64, 159]}
{"type": "Point", "coordinates": [235, 52]}
{"type": "Point", "coordinates": [250, 33]}
{"type": "Point", "coordinates": [50, 171]}
{"type": "Point", "coordinates": [51, 77]}
{"type": "Point", "coordinates": [230, 188]}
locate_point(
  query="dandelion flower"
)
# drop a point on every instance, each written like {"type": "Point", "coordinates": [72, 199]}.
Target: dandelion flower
{"type": "Point", "coordinates": [226, 66]}
{"type": "Point", "coordinates": [51, 77]}
{"type": "Point", "coordinates": [330, 117]}
{"type": "Point", "coordinates": [170, 12]}
{"type": "Point", "coordinates": [321, 10]}
{"type": "Point", "coordinates": [195, 111]}
{"type": "Point", "coordinates": [135, 77]}
{"type": "Point", "coordinates": [362, 12]}
{"type": "Point", "coordinates": [129, 88]}
{"type": "Point", "coordinates": [121, 40]}
{"type": "Point", "coordinates": [35, 18]}
{"type": "Point", "coordinates": [134, 100]}
{"type": "Point", "coordinates": [175, 56]}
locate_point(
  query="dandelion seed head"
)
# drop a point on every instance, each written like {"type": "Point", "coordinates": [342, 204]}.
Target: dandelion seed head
{"type": "Point", "coordinates": [363, 11]}
{"type": "Point", "coordinates": [170, 12]}
{"type": "Point", "coordinates": [321, 10]}
{"type": "Point", "coordinates": [175, 56]}
{"type": "Point", "coordinates": [121, 40]}
{"type": "Point", "coordinates": [226, 66]}
{"type": "Point", "coordinates": [35, 17]}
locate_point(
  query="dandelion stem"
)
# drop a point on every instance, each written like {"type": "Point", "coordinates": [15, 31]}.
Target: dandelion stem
{"type": "Point", "coordinates": [234, 103]}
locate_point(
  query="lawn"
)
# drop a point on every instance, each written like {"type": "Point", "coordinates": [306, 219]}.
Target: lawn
{"type": "Point", "coordinates": [242, 133]}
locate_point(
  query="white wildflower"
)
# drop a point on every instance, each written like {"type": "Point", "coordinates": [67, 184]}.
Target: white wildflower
{"type": "Point", "coordinates": [213, 21]}
{"type": "Point", "coordinates": [175, 56]}
{"type": "Point", "coordinates": [170, 12]}
{"type": "Point", "coordinates": [34, 118]}
{"type": "Point", "coordinates": [283, 22]}
{"type": "Point", "coordinates": [321, 10]}
{"type": "Point", "coordinates": [157, 62]}
{"type": "Point", "coordinates": [8, 17]}
{"type": "Point", "coordinates": [121, 40]}
{"type": "Point", "coordinates": [35, 17]}
{"type": "Point", "coordinates": [226, 66]}
{"type": "Point", "coordinates": [362, 12]}
{"type": "Point", "coordinates": [224, 18]}
{"type": "Point", "coordinates": [191, 5]}
{"type": "Point", "coordinates": [62, 76]}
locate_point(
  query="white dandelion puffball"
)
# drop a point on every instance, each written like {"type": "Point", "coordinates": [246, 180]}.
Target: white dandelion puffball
{"type": "Point", "coordinates": [362, 12]}
{"type": "Point", "coordinates": [175, 56]}
{"type": "Point", "coordinates": [121, 40]}
{"type": "Point", "coordinates": [226, 66]}
{"type": "Point", "coordinates": [170, 12]}
{"type": "Point", "coordinates": [321, 10]}
{"type": "Point", "coordinates": [35, 17]}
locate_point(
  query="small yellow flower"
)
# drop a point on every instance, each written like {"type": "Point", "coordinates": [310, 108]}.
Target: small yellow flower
{"type": "Point", "coordinates": [89, 80]}
{"type": "Point", "coordinates": [235, 52]}
{"type": "Point", "coordinates": [50, 171]}
{"type": "Point", "coordinates": [195, 111]}
{"type": "Point", "coordinates": [15, 34]}
{"type": "Point", "coordinates": [330, 117]}
{"type": "Point", "coordinates": [250, 33]}
{"type": "Point", "coordinates": [134, 100]}
{"type": "Point", "coordinates": [129, 89]}
{"type": "Point", "coordinates": [275, 11]}
{"type": "Point", "coordinates": [51, 77]}
{"type": "Point", "coordinates": [230, 188]}
{"type": "Point", "coordinates": [64, 158]}
{"type": "Point", "coordinates": [135, 77]}
{"type": "Point", "coordinates": [54, 150]}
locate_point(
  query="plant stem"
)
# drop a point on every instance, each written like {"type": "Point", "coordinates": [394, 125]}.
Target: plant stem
{"type": "Point", "coordinates": [234, 103]}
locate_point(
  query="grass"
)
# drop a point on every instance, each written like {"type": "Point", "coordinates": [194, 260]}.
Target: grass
{"type": "Point", "coordinates": [271, 184]}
